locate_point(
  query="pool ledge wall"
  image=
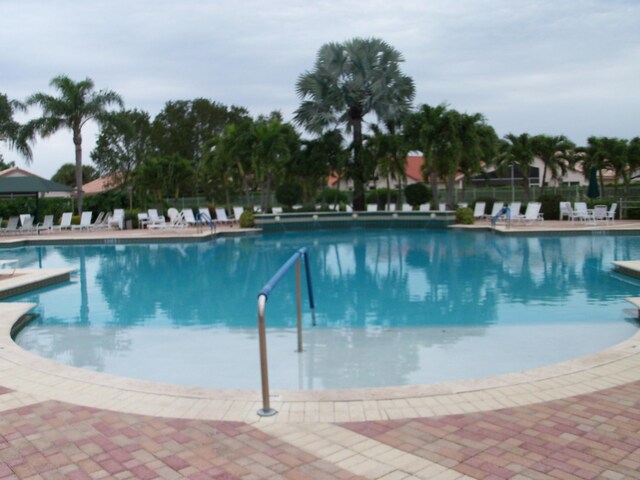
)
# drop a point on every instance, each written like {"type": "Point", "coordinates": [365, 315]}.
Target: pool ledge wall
{"type": "Point", "coordinates": [25, 280]}
{"type": "Point", "coordinates": [34, 379]}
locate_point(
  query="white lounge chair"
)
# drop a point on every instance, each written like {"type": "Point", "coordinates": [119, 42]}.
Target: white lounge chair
{"type": "Point", "coordinates": [611, 214]}
{"type": "Point", "coordinates": [406, 207]}
{"type": "Point", "coordinates": [117, 219]}
{"type": "Point", "coordinates": [12, 225]}
{"type": "Point", "coordinates": [46, 225]}
{"type": "Point", "coordinates": [514, 209]}
{"type": "Point", "coordinates": [237, 213]}
{"type": "Point", "coordinates": [496, 208]}
{"type": "Point", "coordinates": [442, 207]}
{"type": "Point", "coordinates": [274, 210]}
{"type": "Point", "coordinates": [600, 213]}
{"type": "Point", "coordinates": [26, 224]}
{"type": "Point", "coordinates": [154, 218]}
{"type": "Point", "coordinates": [65, 222]}
{"type": "Point", "coordinates": [478, 209]}
{"type": "Point", "coordinates": [391, 207]}
{"type": "Point", "coordinates": [85, 222]}
{"type": "Point", "coordinates": [204, 215]}
{"type": "Point", "coordinates": [222, 219]}
{"type": "Point", "coordinates": [532, 213]}
{"type": "Point", "coordinates": [189, 217]}
{"type": "Point", "coordinates": [580, 212]}
{"type": "Point", "coordinates": [372, 207]}
{"type": "Point", "coordinates": [98, 223]}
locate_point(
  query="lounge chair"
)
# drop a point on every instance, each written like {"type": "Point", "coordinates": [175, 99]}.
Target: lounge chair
{"type": "Point", "coordinates": [117, 219]}
{"type": "Point", "coordinates": [372, 207]}
{"type": "Point", "coordinates": [274, 210]}
{"type": "Point", "coordinates": [65, 222]}
{"type": "Point", "coordinates": [222, 219]}
{"type": "Point", "coordinates": [478, 210]}
{"type": "Point", "coordinates": [531, 214]}
{"type": "Point", "coordinates": [237, 213]}
{"type": "Point", "coordinates": [406, 207]}
{"type": "Point", "coordinates": [496, 208]}
{"type": "Point", "coordinates": [424, 207]}
{"type": "Point", "coordinates": [514, 209]}
{"type": "Point", "coordinates": [154, 218]}
{"type": "Point", "coordinates": [85, 222]}
{"type": "Point", "coordinates": [189, 218]}
{"type": "Point", "coordinates": [611, 214]}
{"type": "Point", "coordinates": [98, 223]}
{"type": "Point", "coordinates": [46, 225]}
{"type": "Point", "coordinates": [12, 225]}
{"type": "Point", "coordinates": [26, 224]}
{"type": "Point", "coordinates": [391, 207]}
{"type": "Point", "coordinates": [176, 220]}
{"type": "Point", "coordinates": [204, 215]}
{"type": "Point", "coordinates": [580, 212]}
{"type": "Point", "coordinates": [442, 207]}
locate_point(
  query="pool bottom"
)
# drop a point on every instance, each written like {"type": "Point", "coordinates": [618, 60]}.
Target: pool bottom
{"type": "Point", "coordinates": [332, 358]}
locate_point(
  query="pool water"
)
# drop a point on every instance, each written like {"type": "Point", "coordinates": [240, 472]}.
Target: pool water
{"type": "Point", "coordinates": [393, 307]}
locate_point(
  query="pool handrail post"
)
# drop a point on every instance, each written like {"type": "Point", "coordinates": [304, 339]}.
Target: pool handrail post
{"type": "Point", "coordinates": [305, 254]}
{"type": "Point", "coordinates": [263, 296]}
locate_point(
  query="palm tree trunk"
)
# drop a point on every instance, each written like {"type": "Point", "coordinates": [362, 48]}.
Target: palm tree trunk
{"type": "Point", "coordinates": [77, 141]}
{"type": "Point", "coordinates": [358, 167]}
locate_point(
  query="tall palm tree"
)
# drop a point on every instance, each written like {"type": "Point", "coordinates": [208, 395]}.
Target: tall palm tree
{"type": "Point", "coordinates": [517, 150]}
{"type": "Point", "coordinates": [10, 132]}
{"type": "Point", "coordinates": [77, 104]}
{"type": "Point", "coordinates": [556, 152]}
{"type": "Point", "coordinates": [349, 81]}
{"type": "Point", "coordinates": [389, 150]}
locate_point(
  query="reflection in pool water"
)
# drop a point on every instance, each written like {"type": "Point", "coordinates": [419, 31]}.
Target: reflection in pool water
{"type": "Point", "coordinates": [393, 307]}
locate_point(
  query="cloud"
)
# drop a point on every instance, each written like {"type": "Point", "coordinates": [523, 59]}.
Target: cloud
{"type": "Point", "coordinates": [568, 67]}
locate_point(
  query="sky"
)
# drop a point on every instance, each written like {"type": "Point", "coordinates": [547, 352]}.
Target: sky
{"type": "Point", "coordinates": [569, 67]}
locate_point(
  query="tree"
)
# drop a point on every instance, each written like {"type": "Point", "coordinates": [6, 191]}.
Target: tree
{"type": "Point", "coordinates": [164, 176]}
{"type": "Point", "coordinates": [555, 152]}
{"type": "Point", "coordinates": [389, 150]}
{"type": "Point", "coordinates": [349, 81]}
{"type": "Point", "coordinates": [66, 174]}
{"type": "Point", "coordinates": [76, 105]}
{"type": "Point", "coordinates": [123, 143]}
{"type": "Point", "coordinates": [518, 151]}
{"type": "Point", "coordinates": [10, 130]}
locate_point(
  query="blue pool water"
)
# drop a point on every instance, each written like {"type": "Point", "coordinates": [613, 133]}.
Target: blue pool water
{"type": "Point", "coordinates": [393, 307]}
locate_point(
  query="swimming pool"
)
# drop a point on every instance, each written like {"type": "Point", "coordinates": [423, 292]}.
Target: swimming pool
{"type": "Point", "coordinates": [393, 307]}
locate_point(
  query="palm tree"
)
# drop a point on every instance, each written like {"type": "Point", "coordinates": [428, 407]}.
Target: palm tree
{"type": "Point", "coordinates": [10, 132]}
{"type": "Point", "coordinates": [390, 153]}
{"type": "Point", "coordinates": [77, 104]}
{"type": "Point", "coordinates": [518, 151]}
{"type": "Point", "coordinates": [349, 81]}
{"type": "Point", "coordinates": [556, 152]}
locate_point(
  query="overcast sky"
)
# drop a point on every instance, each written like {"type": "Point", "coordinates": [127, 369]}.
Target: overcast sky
{"type": "Point", "coordinates": [557, 67]}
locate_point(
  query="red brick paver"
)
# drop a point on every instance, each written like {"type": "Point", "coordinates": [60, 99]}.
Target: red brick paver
{"type": "Point", "coordinates": [584, 437]}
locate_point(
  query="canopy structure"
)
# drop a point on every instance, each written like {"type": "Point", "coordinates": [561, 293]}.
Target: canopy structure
{"type": "Point", "coordinates": [14, 186]}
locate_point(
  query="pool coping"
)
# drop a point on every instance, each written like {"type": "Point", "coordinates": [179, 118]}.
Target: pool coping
{"type": "Point", "coordinates": [45, 379]}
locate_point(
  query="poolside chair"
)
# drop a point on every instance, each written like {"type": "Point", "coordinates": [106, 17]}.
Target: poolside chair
{"type": "Point", "coordinates": [463, 205]}
{"type": "Point", "coordinates": [274, 210]}
{"type": "Point", "coordinates": [85, 222]}
{"type": "Point", "coordinates": [204, 215]}
{"type": "Point", "coordinates": [117, 219]}
{"type": "Point", "coordinates": [406, 207]}
{"type": "Point", "coordinates": [580, 212]}
{"type": "Point", "coordinates": [348, 208]}
{"type": "Point", "coordinates": [611, 214]}
{"type": "Point", "coordinates": [237, 213]}
{"type": "Point", "coordinates": [98, 223]}
{"type": "Point", "coordinates": [424, 207]}
{"type": "Point", "coordinates": [143, 219]}
{"type": "Point", "coordinates": [46, 225]}
{"type": "Point", "coordinates": [176, 220]}
{"type": "Point", "coordinates": [189, 217]}
{"type": "Point", "coordinates": [600, 213]}
{"type": "Point", "coordinates": [514, 209]}
{"type": "Point", "coordinates": [391, 207]}
{"type": "Point", "coordinates": [442, 207]}
{"type": "Point", "coordinates": [65, 222]}
{"type": "Point", "coordinates": [12, 225]}
{"type": "Point", "coordinates": [496, 208]}
{"type": "Point", "coordinates": [154, 218]}
{"type": "Point", "coordinates": [478, 210]}
{"type": "Point", "coordinates": [26, 224]}
{"type": "Point", "coordinates": [221, 217]}
{"type": "Point", "coordinates": [531, 214]}
{"type": "Point", "coordinates": [565, 210]}
{"type": "Point", "coordinates": [372, 207]}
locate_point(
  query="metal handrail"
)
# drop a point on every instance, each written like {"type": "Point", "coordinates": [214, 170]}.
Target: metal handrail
{"type": "Point", "coordinates": [263, 296]}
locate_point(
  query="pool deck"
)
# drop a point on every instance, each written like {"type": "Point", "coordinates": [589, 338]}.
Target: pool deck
{"type": "Point", "coordinates": [576, 420]}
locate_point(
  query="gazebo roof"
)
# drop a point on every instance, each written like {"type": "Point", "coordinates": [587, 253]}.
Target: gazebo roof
{"type": "Point", "coordinates": [29, 185]}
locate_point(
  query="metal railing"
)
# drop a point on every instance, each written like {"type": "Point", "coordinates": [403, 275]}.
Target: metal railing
{"type": "Point", "coordinates": [263, 296]}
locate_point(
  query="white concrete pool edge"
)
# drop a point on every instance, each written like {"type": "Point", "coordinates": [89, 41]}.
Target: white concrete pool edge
{"type": "Point", "coordinates": [39, 379]}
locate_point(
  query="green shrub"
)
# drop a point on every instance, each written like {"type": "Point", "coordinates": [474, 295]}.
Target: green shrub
{"type": "Point", "coordinates": [288, 194]}
{"type": "Point", "coordinates": [328, 195]}
{"type": "Point", "coordinates": [550, 206]}
{"type": "Point", "coordinates": [464, 216]}
{"type": "Point", "coordinates": [247, 220]}
{"type": "Point", "coordinates": [379, 197]}
{"type": "Point", "coordinates": [417, 194]}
